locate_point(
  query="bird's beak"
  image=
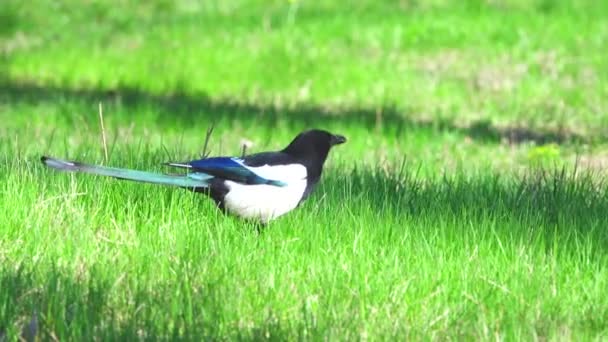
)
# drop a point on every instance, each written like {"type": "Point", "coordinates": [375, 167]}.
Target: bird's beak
{"type": "Point", "coordinates": [337, 140]}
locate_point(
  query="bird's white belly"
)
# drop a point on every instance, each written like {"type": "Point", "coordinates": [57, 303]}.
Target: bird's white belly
{"type": "Point", "coordinates": [263, 202]}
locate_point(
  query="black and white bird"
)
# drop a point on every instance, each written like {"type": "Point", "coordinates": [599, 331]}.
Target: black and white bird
{"type": "Point", "coordinates": [261, 186]}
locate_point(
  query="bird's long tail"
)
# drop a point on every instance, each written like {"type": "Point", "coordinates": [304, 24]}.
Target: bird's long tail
{"type": "Point", "coordinates": [192, 180]}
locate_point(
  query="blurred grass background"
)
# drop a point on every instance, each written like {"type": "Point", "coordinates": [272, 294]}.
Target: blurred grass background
{"type": "Point", "coordinates": [469, 202]}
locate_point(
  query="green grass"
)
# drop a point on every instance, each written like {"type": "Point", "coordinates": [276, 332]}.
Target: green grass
{"type": "Point", "coordinates": [470, 201]}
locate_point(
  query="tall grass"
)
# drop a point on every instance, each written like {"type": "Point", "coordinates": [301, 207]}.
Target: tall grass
{"type": "Point", "coordinates": [374, 253]}
{"type": "Point", "coordinates": [470, 201]}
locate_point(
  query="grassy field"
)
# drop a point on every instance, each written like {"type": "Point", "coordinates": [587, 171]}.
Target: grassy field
{"type": "Point", "coordinates": [470, 201]}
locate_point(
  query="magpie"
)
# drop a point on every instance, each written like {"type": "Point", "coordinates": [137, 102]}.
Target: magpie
{"type": "Point", "coordinates": [259, 187]}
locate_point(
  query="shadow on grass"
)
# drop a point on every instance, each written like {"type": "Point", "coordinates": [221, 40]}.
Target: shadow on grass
{"type": "Point", "coordinates": [191, 109]}
{"type": "Point", "coordinates": [561, 203]}
{"type": "Point", "coordinates": [559, 206]}
{"type": "Point", "coordinates": [53, 304]}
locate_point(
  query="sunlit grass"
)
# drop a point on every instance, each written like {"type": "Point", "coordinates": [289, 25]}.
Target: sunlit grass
{"type": "Point", "coordinates": [373, 253]}
{"type": "Point", "coordinates": [470, 201]}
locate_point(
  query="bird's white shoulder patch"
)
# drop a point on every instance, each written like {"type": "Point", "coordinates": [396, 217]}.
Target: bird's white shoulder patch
{"type": "Point", "coordinates": [285, 173]}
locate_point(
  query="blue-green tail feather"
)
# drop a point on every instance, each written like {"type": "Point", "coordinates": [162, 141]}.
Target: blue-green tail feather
{"type": "Point", "coordinates": [193, 180]}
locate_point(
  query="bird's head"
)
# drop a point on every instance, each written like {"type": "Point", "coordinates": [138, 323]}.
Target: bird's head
{"type": "Point", "coordinates": [314, 144]}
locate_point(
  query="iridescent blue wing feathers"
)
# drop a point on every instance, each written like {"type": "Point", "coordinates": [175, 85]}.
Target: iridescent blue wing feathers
{"type": "Point", "coordinates": [228, 168]}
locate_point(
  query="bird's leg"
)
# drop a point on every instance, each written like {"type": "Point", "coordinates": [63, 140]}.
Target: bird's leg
{"type": "Point", "coordinates": [260, 227]}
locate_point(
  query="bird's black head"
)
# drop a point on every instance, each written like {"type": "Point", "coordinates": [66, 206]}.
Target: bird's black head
{"type": "Point", "coordinates": [310, 148]}
{"type": "Point", "coordinates": [313, 145]}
